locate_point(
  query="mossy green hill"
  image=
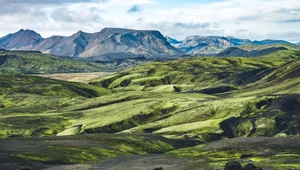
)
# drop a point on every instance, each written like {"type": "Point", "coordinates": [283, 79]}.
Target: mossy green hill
{"type": "Point", "coordinates": [205, 75]}
{"type": "Point", "coordinates": [186, 98]}
{"type": "Point", "coordinates": [17, 84]}
{"type": "Point", "coordinates": [36, 62]}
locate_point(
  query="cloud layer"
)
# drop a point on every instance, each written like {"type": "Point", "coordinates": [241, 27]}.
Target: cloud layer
{"type": "Point", "coordinates": [254, 19]}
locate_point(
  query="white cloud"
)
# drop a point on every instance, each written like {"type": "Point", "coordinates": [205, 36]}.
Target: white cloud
{"type": "Point", "coordinates": [254, 19]}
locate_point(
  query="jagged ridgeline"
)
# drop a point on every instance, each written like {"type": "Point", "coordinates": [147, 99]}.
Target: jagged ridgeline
{"type": "Point", "coordinates": [83, 45]}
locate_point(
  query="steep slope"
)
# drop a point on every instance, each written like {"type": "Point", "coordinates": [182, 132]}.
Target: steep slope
{"type": "Point", "coordinates": [114, 40]}
{"type": "Point", "coordinates": [174, 42]}
{"type": "Point", "coordinates": [20, 39]}
{"type": "Point", "coordinates": [64, 46]}
{"type": "Point", "coordinates": [36, 62]}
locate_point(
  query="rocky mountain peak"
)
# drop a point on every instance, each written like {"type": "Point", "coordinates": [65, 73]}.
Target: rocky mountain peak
{"type": "Point", "coordinates": [29, 33]}
{"type": "Point", "coordinates": [21, 39]}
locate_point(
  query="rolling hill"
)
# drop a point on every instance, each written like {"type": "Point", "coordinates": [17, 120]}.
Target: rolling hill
{"type": "Point", "coordinates": [254, 82]}
{"type": "Point", "coordinates": [35, 62]}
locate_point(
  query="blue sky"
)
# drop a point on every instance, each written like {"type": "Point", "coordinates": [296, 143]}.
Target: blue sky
{"type": "Point", "coordinates": [252, 19]}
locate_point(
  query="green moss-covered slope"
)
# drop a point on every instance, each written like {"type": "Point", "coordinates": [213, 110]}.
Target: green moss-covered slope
{"type": "Point", "coordinates": [36, 62]}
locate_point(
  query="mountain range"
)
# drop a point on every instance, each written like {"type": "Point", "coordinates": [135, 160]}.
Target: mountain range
{"type": "Point", "coordinates": [112, 43]}
{"type": "Point", "coordinates": [81, 44]}
{"type": "Point", "coordinates": [212, 45]}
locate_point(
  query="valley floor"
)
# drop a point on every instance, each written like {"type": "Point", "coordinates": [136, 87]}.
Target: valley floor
{"type": "Point", "coordinates": [76, 77]}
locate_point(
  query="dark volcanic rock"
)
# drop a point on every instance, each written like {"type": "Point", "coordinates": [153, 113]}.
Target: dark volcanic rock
{"type": "Point", "coordinates": [158, 168]}
{"type": "Point", "coordinates": [233, 166]}
{"type": "Point", "coordinates": [251, 167]}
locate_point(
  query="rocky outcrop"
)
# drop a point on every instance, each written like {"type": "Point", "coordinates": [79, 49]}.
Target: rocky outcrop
{"type": "Point", "coordinates": [251, 167]}
{"type": "Point", "coordinates": [233, 165]}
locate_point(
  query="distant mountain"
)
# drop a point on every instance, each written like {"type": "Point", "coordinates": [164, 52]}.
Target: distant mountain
{"type": "Point", "coordinates": [238, 52]}
{"type": "Point", "coordinates": [238, 41]}
{"type": "Point", "coordinates": [270, 42]}
{"type": "Point", "coordinates": [20, 39]}
{"type": "Point", "coordinates": [111, 42]}
{"type": "Point", "coordinates": [174, 42]}
{"type": "Point", "coordinates": [81, 44]}
{"type": "Point", "coordinates": [211, 45]}
{"type": "Point", "coordinates": [208, 44]}
{"type": "Point", "coordinates": [71, 46]}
